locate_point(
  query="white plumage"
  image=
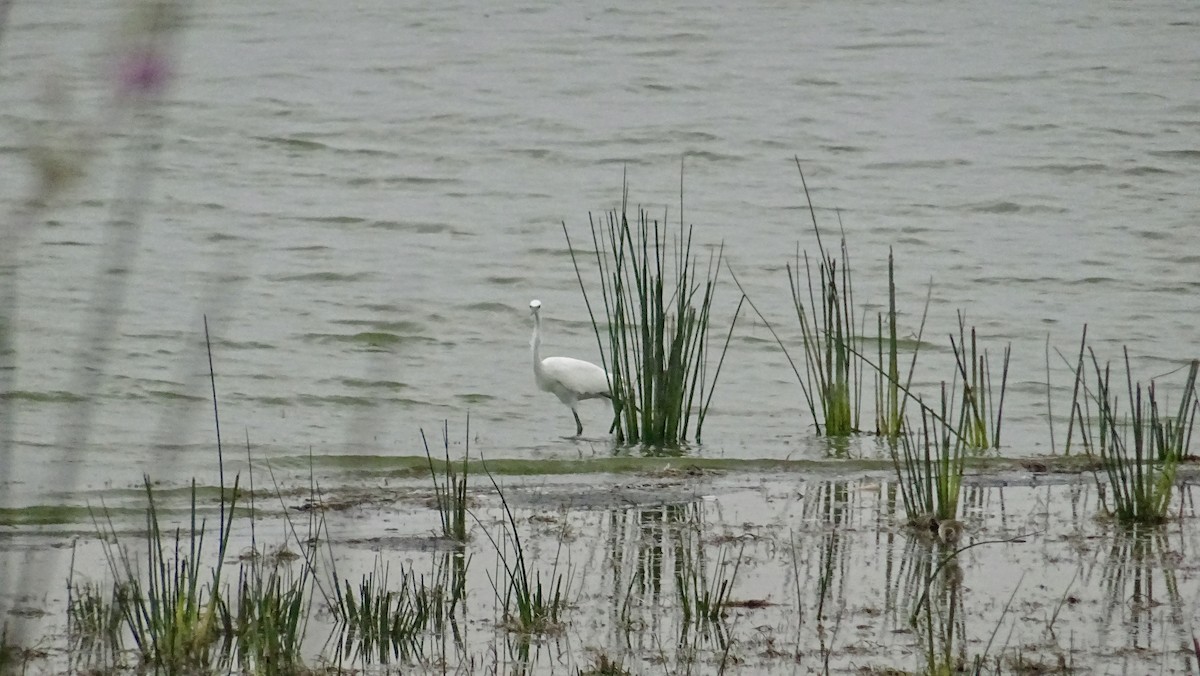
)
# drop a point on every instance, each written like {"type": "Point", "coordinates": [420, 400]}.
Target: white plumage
{"type": "Point", "coordinates": [571, 380]}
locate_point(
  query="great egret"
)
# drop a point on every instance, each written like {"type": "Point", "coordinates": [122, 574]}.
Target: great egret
{"type": "Point", "coordinates": [571, 380]}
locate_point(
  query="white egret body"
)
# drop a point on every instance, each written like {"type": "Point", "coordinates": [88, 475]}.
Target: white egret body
{"type": "Point", "coordinates": [571, 380]}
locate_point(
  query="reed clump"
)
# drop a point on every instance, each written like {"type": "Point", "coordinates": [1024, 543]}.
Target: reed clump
{"type": "Point", "coordinates": [175, 615]}
{"type": "Point", "coordinates": [929, 465]}
{"type": "Point", "coordinates": [654, 337]}
{"type": "Point", "coordinates": [271, 619]}
{"type": "Point", "coordinates": [982, 411]}
{"type": "Point", "coordinates": [834, 367]}
{"type": "Point", "coordinates": [382, 623]}
{"type": "Point", "coordinates": [450, 492]}
{"type": "Point", "coordinates": [833, 376]}
{"type": "Point", "coordinates": [1139, 451]}
{"type": "Point", "coordinates": [176, 608]}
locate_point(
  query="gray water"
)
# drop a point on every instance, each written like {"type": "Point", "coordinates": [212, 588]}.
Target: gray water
{"type": "Point", "coordinates": [364, 198]}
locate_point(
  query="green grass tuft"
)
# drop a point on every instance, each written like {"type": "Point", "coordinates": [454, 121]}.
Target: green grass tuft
{"type": "Point", "coordinates": [173, 614]}
{"type": "Point", "coordinates": [272, 613]}
{"type": "Point", "coordinates": [381, 624]}
{"type": "Point", "coordinates": [833, 376]}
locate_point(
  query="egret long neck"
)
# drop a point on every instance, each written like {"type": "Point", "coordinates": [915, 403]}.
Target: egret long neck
{"type": "Point", "coordinates": [536, 342]}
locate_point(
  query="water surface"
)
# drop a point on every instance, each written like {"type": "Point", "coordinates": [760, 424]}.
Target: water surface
{"type": "Point", "coordinates": [364, 199]}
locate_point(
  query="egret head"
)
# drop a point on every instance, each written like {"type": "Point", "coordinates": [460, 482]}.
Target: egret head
{"type": "Point", "coordinates": [534, 306]}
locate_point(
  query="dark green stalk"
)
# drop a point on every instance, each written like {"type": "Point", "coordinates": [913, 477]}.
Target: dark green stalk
{"type": "Point", "coordinates": [893, 426]}
{"type": "Point", "coordinates": [1075, 403]}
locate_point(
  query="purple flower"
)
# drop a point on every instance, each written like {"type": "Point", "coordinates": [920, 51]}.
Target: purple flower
{"type": "Point", "coordinates": [143, 71]}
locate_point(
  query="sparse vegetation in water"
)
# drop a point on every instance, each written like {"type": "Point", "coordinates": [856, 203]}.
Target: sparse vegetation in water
{"type": "Point", "coordinates": [891, 398]}
{"type": "Point", "coordinates": [530, 606]}
{"type": "Point", "coordinates": [1139, 473]}
{"type": "Point", "coordinates": [272, 615]}
{"type": "Point", "coordinates": [179, 614]}
{"type": "Point", "coordinates": [8, 652]}
{"type": "Point", "coordinates": [379, 624]}
{"type": "Point", "coordinates": [605, 666]}
{"type": "Point", "coordinates": [95, 620]}
{"type": "Point", "coordinates": [982, 411]}
{"type": "Point", "coordinates": [929, 467]}
{"type": "Point", "coordinates": [451, 492]}
{"type": "Point", "coordinates": [655, 337]}
{"type": "Point", "coordinates": [833, 376]}
{"type": "Point", "coordinates": [834, 366]}
{"type": "Point", "coordinates": [703, 598]}
{"type": "Point", "coordinates": [175, 615]}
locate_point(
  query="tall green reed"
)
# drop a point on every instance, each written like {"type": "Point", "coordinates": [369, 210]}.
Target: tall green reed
{"type": "Point", "coordinates": [657, 313]}
{"type": "Point", "coordinates": [175, 604]}
{"type": "Point", "coordinates": [531, 606]}
{"type": "Point", "coordinates": [173, 613]}
{"type": "Point", "coordinates": [832, 376]}
{"type": "Point", "coordinates": [891, 398]}
{"type": "Point", "coordinates": [451, 492]}
{"type": "Point", "coordinates": [983, 412]}
{"type": "Point", "coordinates": [929, 467]}
{"type": "Point", "coordinates": [832, 381]}
{"type": "Point", "coordinates": [1139, 473]}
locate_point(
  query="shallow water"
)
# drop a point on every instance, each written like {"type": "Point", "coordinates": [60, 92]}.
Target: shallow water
{"type": "Point", "coordinates": [1041, 582]}
{"type": "Point", "coordinates": [363, 200]}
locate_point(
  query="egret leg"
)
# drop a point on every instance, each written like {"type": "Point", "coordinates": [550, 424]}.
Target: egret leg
{"type": "Point", "coordinates": [578, 424]}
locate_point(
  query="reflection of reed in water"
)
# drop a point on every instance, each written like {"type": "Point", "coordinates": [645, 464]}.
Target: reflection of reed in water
{"type": "Point", "coordinates": [831, 507]}
{"type": "Point", "coordinates": [1138, 577]}
{"type": "Point", "coordinates": [941, 619]}
{"type": "Point", "coordinates": [649, 548]}
{"type": "Point", "coordinates": [379, 623]}
{"type": "Point", "coordinates": [924, 593]}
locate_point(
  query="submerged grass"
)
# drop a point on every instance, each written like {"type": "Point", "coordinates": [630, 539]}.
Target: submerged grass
{"type": "Point", "coordinates": [94, 620]}
{"type": "Point", "coordinates": [701, 599]}
{"type": "Point", "coordinates": [657, 313]}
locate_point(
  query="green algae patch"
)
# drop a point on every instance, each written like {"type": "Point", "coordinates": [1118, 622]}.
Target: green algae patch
{"type": "Point", "coordinates": [399, 466]}
{"type": "Point", "coordinates": [56, 397]}
{"type": "Point", "coordinates": [54, 515]}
